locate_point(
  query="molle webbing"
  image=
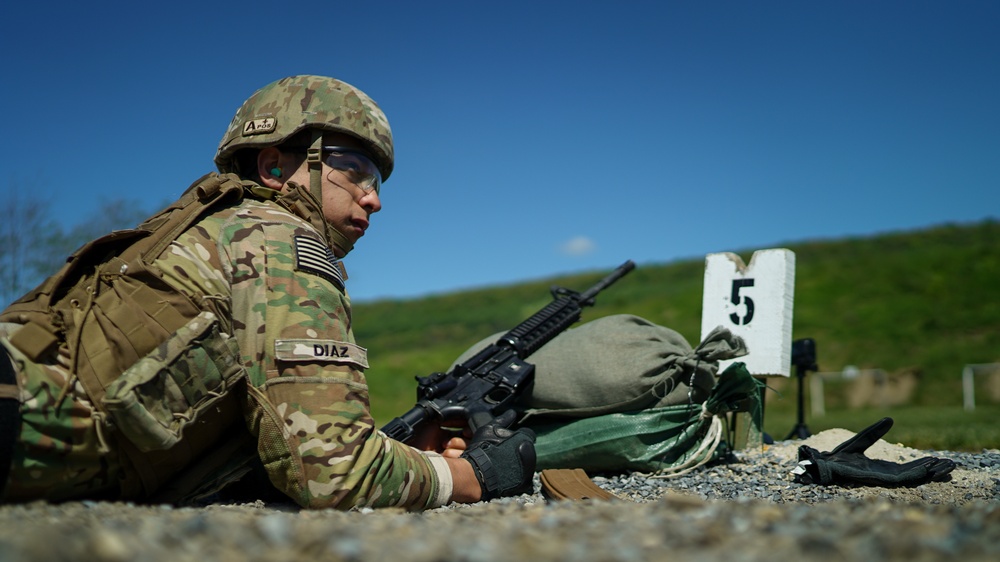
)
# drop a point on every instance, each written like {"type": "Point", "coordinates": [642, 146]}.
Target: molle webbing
{"type": "Point", "coordinates": [108, 305]}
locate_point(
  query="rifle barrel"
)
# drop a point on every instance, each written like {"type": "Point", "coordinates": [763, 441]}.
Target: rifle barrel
{"type": "Point", "coordinates": [607, 281]}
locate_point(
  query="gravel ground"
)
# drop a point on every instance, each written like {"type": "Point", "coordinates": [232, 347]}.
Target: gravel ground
{"type": "Point", "coordinates": [746, 510]}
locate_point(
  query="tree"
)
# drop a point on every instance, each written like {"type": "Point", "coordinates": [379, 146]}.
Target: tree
{"type": "Point", "coordinates": [58, 244]}
{"type": "Point", "coordinates": [33, 246]}
{"type": "Point", "coordinates": [23, 224]}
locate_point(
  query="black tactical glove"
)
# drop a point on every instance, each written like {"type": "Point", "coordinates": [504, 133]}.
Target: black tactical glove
{"type": "Point", "coordinates": [503, 459]}
{"type": "Point", "coordinates": [847, 464]}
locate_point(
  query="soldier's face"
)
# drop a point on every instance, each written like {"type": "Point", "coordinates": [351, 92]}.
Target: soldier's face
{"type": "Point", "coordinates": [346, 206]}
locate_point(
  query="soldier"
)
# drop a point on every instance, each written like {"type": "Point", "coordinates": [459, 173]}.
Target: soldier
{"type": "Point", "coordinates": [162, 361]}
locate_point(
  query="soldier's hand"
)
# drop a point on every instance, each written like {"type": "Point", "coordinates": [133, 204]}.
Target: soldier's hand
{"type": "Point", "coordinates": [503, 459]}
{"type": "Point", "coordinates": [454, 448]}
{"type": "Point", "coordinates": [449, 439]}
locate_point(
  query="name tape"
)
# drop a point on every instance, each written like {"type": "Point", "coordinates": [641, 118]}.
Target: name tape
{"type": "Point", "coordinates": [321, 350]}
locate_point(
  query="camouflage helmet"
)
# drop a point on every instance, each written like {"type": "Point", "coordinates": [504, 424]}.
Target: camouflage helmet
{"type": "Point", "coordinates": [290, 105]}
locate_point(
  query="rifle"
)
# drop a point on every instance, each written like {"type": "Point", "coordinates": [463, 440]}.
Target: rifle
{"type": "Point", "coordinates": [487, 384]}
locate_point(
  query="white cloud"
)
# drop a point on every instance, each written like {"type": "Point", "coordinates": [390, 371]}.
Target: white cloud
{"type": "Point", "coordinates": [578, 246]}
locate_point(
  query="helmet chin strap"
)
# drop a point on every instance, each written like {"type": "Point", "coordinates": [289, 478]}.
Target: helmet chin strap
{"type": "Point", "coordinates": [298, 199]}
{"type": "Point", "coordinates": [337, 240]}
{"type": "Point", "coordinates": [314, 159]}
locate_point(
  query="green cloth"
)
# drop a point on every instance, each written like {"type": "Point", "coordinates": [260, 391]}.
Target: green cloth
{"type": "Point", "coordinates": [655, 439]}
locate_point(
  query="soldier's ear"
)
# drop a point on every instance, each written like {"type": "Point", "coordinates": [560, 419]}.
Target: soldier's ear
{"type": "Point", "coordinates": [269, 168]}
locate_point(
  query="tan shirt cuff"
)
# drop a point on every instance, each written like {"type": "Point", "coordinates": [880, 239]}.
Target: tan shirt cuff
{"type": "Point", "coordinates": [445, 483]}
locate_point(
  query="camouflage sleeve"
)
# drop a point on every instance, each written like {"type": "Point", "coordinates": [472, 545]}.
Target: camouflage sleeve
{"type": "Point", "coordinates": [308, 400]}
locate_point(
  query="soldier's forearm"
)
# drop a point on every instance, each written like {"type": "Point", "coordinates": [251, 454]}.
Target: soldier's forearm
{"type": "Point", "coordinates": [466, 487]}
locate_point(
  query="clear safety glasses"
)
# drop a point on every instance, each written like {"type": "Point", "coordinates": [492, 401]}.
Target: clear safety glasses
{"type": "Point", "coordinates": [356, 165]}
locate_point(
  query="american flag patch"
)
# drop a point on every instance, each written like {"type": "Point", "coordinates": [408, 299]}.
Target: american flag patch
{"type": "Point", "coordinates": [313, 256]}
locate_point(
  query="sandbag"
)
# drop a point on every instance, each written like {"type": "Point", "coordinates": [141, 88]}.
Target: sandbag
{"type": "Point", "coordinates": [620, 363]}
{"type": "Point", "coordinates": [667, 441]}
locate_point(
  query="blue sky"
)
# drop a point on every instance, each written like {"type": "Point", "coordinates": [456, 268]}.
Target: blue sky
{"type": "Point", "coordinates": [536, 138]}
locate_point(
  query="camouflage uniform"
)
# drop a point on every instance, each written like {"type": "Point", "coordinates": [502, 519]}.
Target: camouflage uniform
{"type": "Point", "coordinates": [273, 299]}
{"type": "Point", "coordinates": [307, 402]}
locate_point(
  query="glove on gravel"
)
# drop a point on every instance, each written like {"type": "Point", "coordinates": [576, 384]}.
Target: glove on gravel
{"type": "Point", "coordinates": [503, 459]}
{"type": "Point", "coordinates": [847, 464]}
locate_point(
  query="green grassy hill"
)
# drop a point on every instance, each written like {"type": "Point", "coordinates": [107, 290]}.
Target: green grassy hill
{"type": "Point", "coordinates": [922, 301]}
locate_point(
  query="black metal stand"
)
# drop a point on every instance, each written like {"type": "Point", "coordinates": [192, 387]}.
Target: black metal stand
{"type": "Point", "coordinates": [804, 359]}
{"type": "Point", "coordinates": [767, 439]}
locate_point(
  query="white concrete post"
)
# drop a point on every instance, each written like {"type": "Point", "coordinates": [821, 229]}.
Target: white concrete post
{"type": "Point", "coordinates": [816, 396]}
{"type": "Point", "coordinates": [968, 388]}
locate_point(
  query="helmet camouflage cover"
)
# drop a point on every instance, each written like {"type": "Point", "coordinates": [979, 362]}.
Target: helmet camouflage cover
{"type": "Point", "coordinates": [290, 105]}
